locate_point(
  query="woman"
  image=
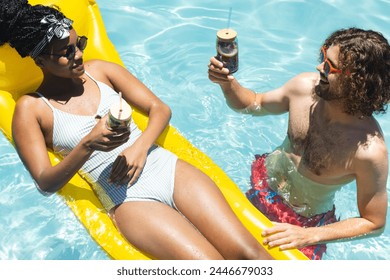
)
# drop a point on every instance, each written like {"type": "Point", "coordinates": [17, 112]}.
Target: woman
{"type": "Point", "coordinates": [161, 204]}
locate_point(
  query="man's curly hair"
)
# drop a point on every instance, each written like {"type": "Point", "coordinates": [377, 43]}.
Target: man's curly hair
{"type": "Point", "coordinates": [364, 59]}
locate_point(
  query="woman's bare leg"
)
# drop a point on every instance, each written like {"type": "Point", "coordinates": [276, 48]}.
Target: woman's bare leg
{"type": "Point", "coordinates": [203, 204]}
{"type": "Point", "coordinates": [162, 232]}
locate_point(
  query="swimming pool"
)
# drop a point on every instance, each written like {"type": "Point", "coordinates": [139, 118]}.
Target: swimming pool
{"type": "Point", "coordinates": [277, 40]}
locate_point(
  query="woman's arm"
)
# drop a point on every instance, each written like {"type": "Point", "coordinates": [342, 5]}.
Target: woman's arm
{"type": "Point", "coordinates": [130, 162]}
{"type": "Point", "coordinates": [31, 146]}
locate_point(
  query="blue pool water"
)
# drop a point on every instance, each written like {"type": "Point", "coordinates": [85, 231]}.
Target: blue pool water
{"type": "Point", "coordinates": [167, 45]}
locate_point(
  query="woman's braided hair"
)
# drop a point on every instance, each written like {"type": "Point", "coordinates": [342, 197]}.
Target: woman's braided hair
{"type": "Point", "coordinates": [20, 24]}
{"type": "Point", "coordinates": [365, 59]}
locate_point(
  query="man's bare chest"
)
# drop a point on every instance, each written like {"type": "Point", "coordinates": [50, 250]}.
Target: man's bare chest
{"type": "Point", "coordinates": [321, 148]}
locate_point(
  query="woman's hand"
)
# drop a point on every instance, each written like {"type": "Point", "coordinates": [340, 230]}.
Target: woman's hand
{"type": "Point", "coordinates": [102, 138]}
{"type": "Point", "coordinates": [218, 73]}
{"type": "Point", "coordinates": [128, 165]}
{"type": "Point", "coordinates": [288, 236]}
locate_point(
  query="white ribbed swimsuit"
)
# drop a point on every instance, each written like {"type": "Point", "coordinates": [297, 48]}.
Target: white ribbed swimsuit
{"type": "Point", "coordinates": [156, 181]}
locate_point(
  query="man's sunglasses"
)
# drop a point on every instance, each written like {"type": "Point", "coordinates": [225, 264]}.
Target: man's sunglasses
{"type": "Point", "coordinates": [328, 67]}
{"type": "Point", "coordinates": [71, 49]}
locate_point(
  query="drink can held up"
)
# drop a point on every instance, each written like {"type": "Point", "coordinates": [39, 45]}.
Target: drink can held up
{"type": "Point", "coordinates": [119, 115]}
{"type": "Point", "coordinates": [227, 48]}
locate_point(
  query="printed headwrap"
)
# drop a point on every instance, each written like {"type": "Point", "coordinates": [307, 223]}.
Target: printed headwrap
{"type": "Point", "coordinates": [57, 28]}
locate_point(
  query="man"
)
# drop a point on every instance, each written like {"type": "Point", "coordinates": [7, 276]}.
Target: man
{"type": "Point", "coordinates": [332, 139]}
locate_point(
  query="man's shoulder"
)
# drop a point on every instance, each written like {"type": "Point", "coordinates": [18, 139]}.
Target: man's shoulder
{"type": "Point", "coordinates": [372, 147]}
{"type": "Point", "coordinates": [303, 84]}
{"type": "Point", "coordinates": [306, 79]}
{"type": "Point", "coordinates": [308, 75]}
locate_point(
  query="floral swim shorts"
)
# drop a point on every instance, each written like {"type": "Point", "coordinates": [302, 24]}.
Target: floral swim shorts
{"type": "Point", "coordinates": [272, 206]}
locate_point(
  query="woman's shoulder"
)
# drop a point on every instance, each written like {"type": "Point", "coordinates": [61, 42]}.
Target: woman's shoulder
{"type": "Point", "coordinates": [100, 69]}
{"type": "Point", "coordinates": [96, 63]}
{"type": "Point", "coordinates": [28, 108]}
{"type": "Point", "coordinates": [99, 65]}
{"type": "Point", "coordinates": [28, 100]}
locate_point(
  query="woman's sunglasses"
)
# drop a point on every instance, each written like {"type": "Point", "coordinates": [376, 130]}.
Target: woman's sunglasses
{"type": "Point", "coordinates": [71, 49]}
{"type": "Point", "coordinates": [328, 67]}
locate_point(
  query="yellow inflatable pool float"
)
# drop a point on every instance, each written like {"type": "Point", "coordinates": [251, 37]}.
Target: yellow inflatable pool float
{"type": "Point", "coordinates": [20, 75]}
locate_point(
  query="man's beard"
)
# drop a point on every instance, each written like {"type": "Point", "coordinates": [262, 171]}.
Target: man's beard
{"type": "Point", "coordinates": [323, 90]}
